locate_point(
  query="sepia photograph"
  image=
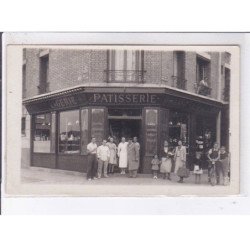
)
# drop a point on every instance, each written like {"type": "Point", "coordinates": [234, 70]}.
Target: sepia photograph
{"type": "Point", "coordinates": [120, 120]}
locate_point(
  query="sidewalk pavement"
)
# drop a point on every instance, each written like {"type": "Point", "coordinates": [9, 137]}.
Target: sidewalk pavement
{"type": "Point", "coordinates": [38, 175]}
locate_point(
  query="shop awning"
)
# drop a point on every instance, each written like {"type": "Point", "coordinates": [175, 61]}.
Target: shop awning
{"type": "Point", "coordinates": [113, 94]}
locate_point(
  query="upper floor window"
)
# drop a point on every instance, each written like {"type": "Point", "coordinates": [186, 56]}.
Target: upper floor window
{"type": "Point", "coordinates": [24, 80]}
{"type": "Point", "coordinates": [44, 75]}
{"type": "Point", "coordinates": [178, 77]}
{"type": "Point", "coordinates": [125, 66]}
{"type": "Point", "coordinates": [23, 126]}
{"type": "Point", "coordinates": [226, 91]}
{"type": "Point", "coordinates": [227, 57]}
{"type": "Point", "coordinates": [203, 76]}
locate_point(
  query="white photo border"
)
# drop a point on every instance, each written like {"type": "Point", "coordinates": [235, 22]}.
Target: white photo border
{"type": "Point", "coordinates": [143, 204]}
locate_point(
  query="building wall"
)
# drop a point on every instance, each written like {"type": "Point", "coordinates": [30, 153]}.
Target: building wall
{"type": "Point", "coordinates": [68, 68]}
{"type": "Point", "coordinates": [32, 72]}
{"type": "Point", "coordinates": [215, 67]}
{"type": "Point", "coordinates": [190, 70]}
{"type": "Point", "coordinates": [225, 63]}
{"type": "Point", "coordinates": [167, 68]}
{"type": "Point", "coordinates": [26, 140]}
{"type": "Point", "coordinates": [152, 65]}
{"type": "Point", "coordinates": [98, 64]}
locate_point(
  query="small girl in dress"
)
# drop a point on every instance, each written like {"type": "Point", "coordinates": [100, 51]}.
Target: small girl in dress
{"type": "Point", "coordinates": [155, 166]}
{"type": "Point", "coordinates": [197, 168]}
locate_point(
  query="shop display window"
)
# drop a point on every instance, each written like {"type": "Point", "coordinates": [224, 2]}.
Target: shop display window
{"type": "Point", "coordinates": [42, 134]}
{"type": "Point", "coordinates": [69, 132]}
{"type": "Point", "coordinates": [178, 129]}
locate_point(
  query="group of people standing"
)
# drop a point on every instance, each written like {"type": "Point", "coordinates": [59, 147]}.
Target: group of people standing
{"type": "Point", "coordinates": [103, 159]}
{"type": "Point", "coordinates": [217, 157]}
{"type": "Point", "coordinates": [164, 165]}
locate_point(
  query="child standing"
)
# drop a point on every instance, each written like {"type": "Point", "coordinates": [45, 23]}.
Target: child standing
{"type": "Point", "coordinates": [197, 168]}
{"type": "Point", "coordinates": [155, 166]}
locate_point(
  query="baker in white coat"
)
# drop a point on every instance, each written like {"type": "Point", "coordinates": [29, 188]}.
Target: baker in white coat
{"type": "Point", "coordinates": [123, 155]}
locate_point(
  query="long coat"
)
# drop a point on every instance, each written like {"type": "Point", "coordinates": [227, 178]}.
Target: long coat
{"type": "Point", "coordinates": [133, 156]}
{"type": "Point", "coordinates": [180, 157]}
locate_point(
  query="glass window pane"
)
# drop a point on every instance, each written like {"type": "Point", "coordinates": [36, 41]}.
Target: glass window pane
{"type": "Point", "coordinates": [23, 126]}
{"type": "Point", "coordinates": [42, 133]}
{"type": "Point", "coordinates": [53, 133]}
{"type": "Point", "coordinates": [178, 128]}
{"type": "Point", "coordinates": [69, 134]}
{"type": "Point", "coordinates": [97, 124]}
{"type": "Point", "coordinates": [151, 124]}
{"type": "Point", "coordinates": [119, 59]}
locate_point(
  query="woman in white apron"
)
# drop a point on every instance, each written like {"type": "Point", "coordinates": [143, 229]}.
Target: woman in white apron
{"type": "Point", "coordinates": [123, 155]}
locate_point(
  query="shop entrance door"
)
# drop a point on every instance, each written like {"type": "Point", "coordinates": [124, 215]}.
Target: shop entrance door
{"type": "Point", "coordinates": [125, 123]}
{"type": "Point", "coordinates": [124, 128]}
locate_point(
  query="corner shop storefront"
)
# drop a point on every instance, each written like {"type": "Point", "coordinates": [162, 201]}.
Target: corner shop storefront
{"type": "Point", "coordinates": [62, 123]}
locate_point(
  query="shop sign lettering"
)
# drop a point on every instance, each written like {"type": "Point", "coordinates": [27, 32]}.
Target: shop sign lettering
{"type": "Point", "coordinates": [105, 98]}
{"type": "Point", "coordinates": [64, 102]}
{"type": "Point", "coordinates": [112, 98]}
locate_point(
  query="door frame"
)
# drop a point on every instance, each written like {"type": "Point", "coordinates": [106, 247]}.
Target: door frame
{"type": "Point", "coordinates": [141, 142]}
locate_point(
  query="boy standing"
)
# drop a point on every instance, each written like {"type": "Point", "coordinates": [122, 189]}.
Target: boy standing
{"type": "Point", "coordinates": [103, 155]}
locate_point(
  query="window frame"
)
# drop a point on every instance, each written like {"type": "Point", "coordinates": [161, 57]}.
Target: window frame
{"type": "Point", "coordinates": [206, 62]}
{"type": "Point", "coordinates": [43, 87]}
{"type": "Point", "coordinates": [24, 80]}
{"type": "Point", "coordinates": [188, 124]}
{"type": "Point", "coordinates": [33, 132]}
{"type": "Point", "coordinates": [58, 132]}
{"type": "Point", "coordinates": [138, 69]}
{"type": "Point", "coordinates": [179, 76]}
{"type": "Point", "coordinates": [23, 126]}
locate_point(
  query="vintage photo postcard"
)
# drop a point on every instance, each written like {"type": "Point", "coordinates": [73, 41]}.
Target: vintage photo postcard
{"type": "Point", "coordinates": [122, 120]}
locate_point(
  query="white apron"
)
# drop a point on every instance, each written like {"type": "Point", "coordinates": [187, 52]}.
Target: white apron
{"type": "Point", "coordinates": [123, 155]}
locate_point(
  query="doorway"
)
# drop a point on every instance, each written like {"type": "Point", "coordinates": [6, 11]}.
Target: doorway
{"type": "Point", "coordinates": [126, 123]}
{"type": "Point", "coordinates": [119, 128]}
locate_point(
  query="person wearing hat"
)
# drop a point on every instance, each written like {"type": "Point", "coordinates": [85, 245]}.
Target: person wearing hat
{"type": "Point", "coordinates": [133, 158]}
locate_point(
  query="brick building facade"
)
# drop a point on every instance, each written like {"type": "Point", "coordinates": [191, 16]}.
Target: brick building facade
{"type": "Point", "coordinates": [185, 92]}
